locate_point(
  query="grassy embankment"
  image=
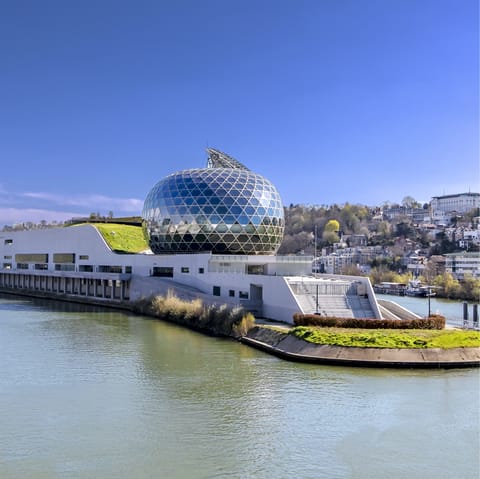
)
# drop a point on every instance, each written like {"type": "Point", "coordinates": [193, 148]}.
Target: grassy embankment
{"type": "Point", "coordinates": [122, 238]}
{"type": "Point", "coordinates": [389, 338]}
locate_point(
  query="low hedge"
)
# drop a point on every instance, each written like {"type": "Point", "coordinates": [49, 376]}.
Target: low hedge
{"type": "Point", "coordinates": [435, 321]}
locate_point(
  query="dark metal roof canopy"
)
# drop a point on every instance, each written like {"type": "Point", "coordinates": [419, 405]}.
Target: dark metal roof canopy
{"type": "Point", "coordinates": [218, 159]}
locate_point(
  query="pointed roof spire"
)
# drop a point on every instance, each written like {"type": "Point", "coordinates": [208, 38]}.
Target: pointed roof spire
{"type": "Point", "coordinates": [218, 159]}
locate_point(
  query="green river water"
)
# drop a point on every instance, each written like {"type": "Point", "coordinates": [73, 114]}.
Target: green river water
{"type": "Point", "coordinates": [95, 393]}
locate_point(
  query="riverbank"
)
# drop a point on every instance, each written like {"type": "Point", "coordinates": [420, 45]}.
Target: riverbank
{"type": "Point", "coordinates": [288, 347]}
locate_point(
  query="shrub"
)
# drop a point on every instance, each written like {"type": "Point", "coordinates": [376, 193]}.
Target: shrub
{"type": "Point", "coordinates": [435, 321]}
{"type": "Point", "coordinates": [242, 326]}
{"type": "Point", "coordinates": [217, 320]}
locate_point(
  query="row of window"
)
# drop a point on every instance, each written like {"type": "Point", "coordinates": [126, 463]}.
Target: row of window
{"type": "Point", "coordinates": [167, 271]}
{"type": "Point", "coordinates": [88, 268]}
{"type": "Point", "coordinates": [217, 291]}
{"type": "Point", "coordinates": [43, 258]}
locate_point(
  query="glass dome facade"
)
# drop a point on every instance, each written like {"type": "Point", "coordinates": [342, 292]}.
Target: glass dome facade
{"type": "Point", "coordinates": [228, 210]}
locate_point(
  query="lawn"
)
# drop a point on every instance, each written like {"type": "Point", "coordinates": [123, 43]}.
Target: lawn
{"type": "Point", "coordinates": [389, 338]}
{"type": "Point", "coordinates": [122, 238]}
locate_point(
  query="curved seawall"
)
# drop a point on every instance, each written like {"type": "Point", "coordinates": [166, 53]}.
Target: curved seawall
{"type": "Point", "coordinates": [288, 347]}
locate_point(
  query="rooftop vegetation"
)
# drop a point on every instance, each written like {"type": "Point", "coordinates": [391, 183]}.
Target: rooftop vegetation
{"type": "Point", "coordinates": [122, 238]}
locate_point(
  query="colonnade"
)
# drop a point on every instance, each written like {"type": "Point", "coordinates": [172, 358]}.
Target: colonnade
{"type": "Point", "coordinates": [106, 288]}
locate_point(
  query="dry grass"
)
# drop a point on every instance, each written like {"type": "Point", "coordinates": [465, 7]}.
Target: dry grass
{"type": "Point", "coordinates": [217, 320]}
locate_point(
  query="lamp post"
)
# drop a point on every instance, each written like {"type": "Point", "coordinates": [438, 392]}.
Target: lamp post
{"type": "Point", "coordinates": [429, 294]}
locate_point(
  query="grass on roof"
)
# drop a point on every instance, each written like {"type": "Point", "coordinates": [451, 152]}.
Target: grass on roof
{"type": "Point", "coordinates": [122, 238]}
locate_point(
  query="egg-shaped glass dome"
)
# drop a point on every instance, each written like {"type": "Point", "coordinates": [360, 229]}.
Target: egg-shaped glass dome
{"type": "Point", "coordinates": [229, 210]}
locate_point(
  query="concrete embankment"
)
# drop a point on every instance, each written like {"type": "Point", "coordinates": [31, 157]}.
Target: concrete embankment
{"type": "Point", "coordinates": [288, 347]}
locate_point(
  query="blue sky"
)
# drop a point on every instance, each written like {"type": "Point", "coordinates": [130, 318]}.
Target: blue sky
{"type": "Point", "coordinates": [334, 101]}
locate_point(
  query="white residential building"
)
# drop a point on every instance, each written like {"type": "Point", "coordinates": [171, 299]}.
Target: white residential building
{"type": "Point", "coordinates": [460, 203]}
{"type": "Point", "coordinates": [460, 264]}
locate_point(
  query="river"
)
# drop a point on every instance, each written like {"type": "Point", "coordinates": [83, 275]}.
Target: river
{"type": "Point", "coordinates": [452, 310]}
{"type": "Point", "coordinates": [94, 393]}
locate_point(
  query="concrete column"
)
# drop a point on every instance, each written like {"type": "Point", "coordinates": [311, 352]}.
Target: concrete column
{"type": "Point", "coordinates": [465, 314]}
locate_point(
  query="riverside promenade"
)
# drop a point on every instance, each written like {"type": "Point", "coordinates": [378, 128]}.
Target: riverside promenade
{"type": "Point", "coordinates": [288, 347]}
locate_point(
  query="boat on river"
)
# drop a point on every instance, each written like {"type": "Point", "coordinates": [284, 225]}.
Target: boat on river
{"type": "Point", "coordinates": [388, 287]}
{"type": "Point", "coordinates": [416, 288]}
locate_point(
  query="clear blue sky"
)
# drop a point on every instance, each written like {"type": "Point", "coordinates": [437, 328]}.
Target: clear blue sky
{"type": "Point", "coordinates": [334, 101]}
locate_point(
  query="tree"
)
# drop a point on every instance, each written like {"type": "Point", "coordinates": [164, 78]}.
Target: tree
{"type": "Point", "coordinates": [450, 286]}
{"type": "Point", "coordinates": [404, 229]}
{"type": "Point", "coordinates": [330, 232]}
{"type": "Point", "coordinates": [384, 229]}
{"type": "Point", "coordinates": [352, 270]}
{"type": "Point", "coordinates": [470, 287]}
{"type": "Point", "coordinates": [443, 245]}
{"type": "Point", "coordinates": [330, 237]}
{"type": "Point", "coordinates": [332, 226]}
{"type": "Point", "coordinates": [349, 220]}
{"type": "Point", "coordinates": [409, 202]}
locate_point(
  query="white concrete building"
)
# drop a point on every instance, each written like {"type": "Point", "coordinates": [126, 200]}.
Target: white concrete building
{"type": "Point", "coordinates": [459, 203]}
{"type": "Point", "coordinates": [76, 263]}
{"type": "Point", "coordinates": [462, 263]}
{"type": "Point", "coordinates": [214, 232]}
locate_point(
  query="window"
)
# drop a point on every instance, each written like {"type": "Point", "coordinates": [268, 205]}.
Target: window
{"type": "Point", "coordinates": [216, 290]}
{"type": "Point", "coordinates": [243, 294]}
{"type": "Point", "coordinates": [184, 269]}
{"type": "Point", "coordinates": [31, 258]}
{"type": "Point", "coordinates": [88, 268]}
{"type": "Point", "coordinates": [83, 256]}
{"type": "Point", "coordinates": [162, 271]}
{"type": "Point", "coordinates": [7, 265]}
{"type": "Point", "coordinates": [22, 265]}
{"type": "Point", "coordinates": [64, 257]}
{"type": "Point", "coordinates": [9, 241]}
{"type": "Point", "coordinates": [64, 267]}
{"type": "Point", "coordinates": [106, 268]}
{"type": "Point", "coordinates": [231, 293]}
{"type": "Point", "coordinates": [41, 266]}
{"type": "Point", "coordinates": [128, 269]}
{"type": "Point", "coordinates": [201, 270]}
{"type": "Point", "coordinates": [7, 257]}
{"type": "Point", "coordinates": [255, 269]}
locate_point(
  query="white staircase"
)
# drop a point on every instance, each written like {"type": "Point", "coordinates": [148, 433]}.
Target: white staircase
{"type": "Point", "coordinates": [331, 298]}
